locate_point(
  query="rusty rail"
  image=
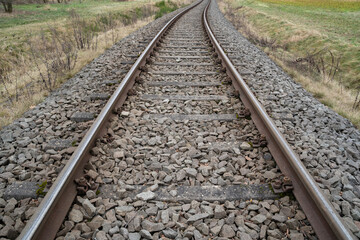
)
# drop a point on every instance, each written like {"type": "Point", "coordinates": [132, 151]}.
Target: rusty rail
{"type": "Point", "coordinates": [321, 214]}
{"type": "Point", "coordinates": [47, 220]}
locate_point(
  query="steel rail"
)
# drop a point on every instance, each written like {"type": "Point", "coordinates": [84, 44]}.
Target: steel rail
{"type": "Point", "coordinates": [45, 223]}
{"type": "Point", "coordinates": [321, 214]}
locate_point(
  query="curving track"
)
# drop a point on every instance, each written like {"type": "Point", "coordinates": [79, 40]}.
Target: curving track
{"type": "Point", "coordinates": [181, 157]}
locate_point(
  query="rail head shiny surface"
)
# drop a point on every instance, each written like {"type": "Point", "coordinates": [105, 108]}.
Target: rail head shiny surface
{"type": "Point", "coordinates": [64, 177]}
{"type": "Point", "coordinates": [323, 204]}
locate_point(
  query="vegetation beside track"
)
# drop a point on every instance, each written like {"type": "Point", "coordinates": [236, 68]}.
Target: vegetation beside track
{"type": "Point", "coordinates": [43, 45]}
{"type": "Point", "coordinates": [316, 41]}
{"type": "Point", "coordinates": [164, 8]}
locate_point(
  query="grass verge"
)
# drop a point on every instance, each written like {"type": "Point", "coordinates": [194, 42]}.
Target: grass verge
{"type": "Point", "coordinates": [316, 41]}
{"type": "Point", "coordinates": [70, 35]}
{"type": "Point", "coordinates": [164, 8]}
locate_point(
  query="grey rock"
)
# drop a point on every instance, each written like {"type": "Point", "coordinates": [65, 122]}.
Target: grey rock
{"type": "Point", "coordinates": [300, 215]}
{"type": "Point", "coordinates": [197, 235]}
{"type": "Point", "coordinates": [267, 157]}
{"type": "Point", "coordinates": [203, 228]}
{"type": "Point", "coordinates": [124, 232]}
{"type": "Point", "coordinates": [355, 214]}
{"type": "Point", "coordinates": [110, 215]}
{"type": "Point", "coordinates": [216, 230]}
{"type": "Point", "coordinates": [170, 233]}
{"type": "Point", "coordinates": [270, 175]}
{"type": "Point", "coordinates": [227, 231]}
{"type": "Point", "coordinates": [152, 210]}
{"type": "Point", "coordinates": [279, 218]}
{"type": "Point", "coordinates": [145, 234]}
{"type": "Point", "coordinates": [167, 179]}
{"type": "Point", "coordinates": [119, 154]}
{"type": "Point", "coordinates": [348, 196]}
{"type": "Point", "coordinates": [76, 215]}
{"type": "Point", "coordinates": [145, 196]}
{"type": "Point", "coordinates": [173, 193]}
{"type": "Point", "coordinates": [244, 236]}
{"type": "Point", "coordinates": [70, 236]}
{"type": "Point", "coordinates": [191, 172]}
{"type": "Point", "coordinates": [8, 232]}
{"type": "Point", "coordinates": [96, 222]}
{"type": "Point", "coordinates": [197, 217]}
{"type": "Point", "coordinates": [350, 223]}
{"type": "Point", "coordinates": [253, 207]}
{"type": "Point", "coordinates": [292, 224]}
{"type": "Point", "coordinates": [219, 212]}
{"type": "Point", "coordinates": [101, 235]}
{"type": "Point", "coordinates": [122, 210]}
{"type": "Point", "coordinates": [134, 236]}
{"type": "Point", "coordinates": [239, 221]}
{"type": "Point", "coordinates": [263, 231]}
{"type": "Point", "coordinates": [152, 227]}
{"type": "Point", "coordinates": [114, 230]}
{"type": "Point", "coordinates": [7, 137]}
{"type": "Point", "coordinates": [165, 216]}
{"type": "Point", "coordinates": [245, 146]}
{"type": "Point", "coordinates": [275, 233]}
{"type": "Point", "coordinates": [258, 219]}
{"type": "Point", "coordinates": [296, 236]}
{"type": "Point", "coordinates": [207, 209]}
{"type": "Point", "coordinates": [89, 207]}
{"type": "Point", "coordinates": [180, 175]}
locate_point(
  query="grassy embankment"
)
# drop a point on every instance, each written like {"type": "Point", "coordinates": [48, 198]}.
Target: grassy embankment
{"type": "Point", "coordinates": [102, 21]}
{"type": "Point", "coordinates": [301, 36]}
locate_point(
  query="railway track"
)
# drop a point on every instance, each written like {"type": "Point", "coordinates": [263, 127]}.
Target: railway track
{"type": "Point", "coordinates": [176, 153]}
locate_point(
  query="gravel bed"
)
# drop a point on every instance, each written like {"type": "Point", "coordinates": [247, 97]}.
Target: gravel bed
{"type": "Point", "coordinates": [139, 219]}
{"type": "Point", "coordinates": [327, 143]}
{"type": "Point", "coordinates": [155, 152]}
{"type": "Point", "coordinates": [36, 147]}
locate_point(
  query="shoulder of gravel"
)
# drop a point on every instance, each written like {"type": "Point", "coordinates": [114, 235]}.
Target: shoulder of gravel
{"type": "Point", "coordinates": [327, 143]}
{"type": "Point", "coordinates": [336, 124]}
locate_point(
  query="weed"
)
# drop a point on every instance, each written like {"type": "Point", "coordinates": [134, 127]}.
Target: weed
{"type": "Point", "coordinates": [326, 103]}
{"type": "Point", "coordinates": [356, 104]}
{"type": "Point", "coordinates": [40, 190]}
{"type": "Point", "coordinates": [318, 95]}
{"type": "Point", "coordinates": [164, 8]}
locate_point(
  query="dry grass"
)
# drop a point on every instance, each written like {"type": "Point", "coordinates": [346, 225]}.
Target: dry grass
{"type": "Point", "coordinates": [335, 4]}
{"type": "Point", "coordinates": [331, 94]}
{"type": "Point", "coordinates": [105, 41]}
{"type": "Point", "coordinates": [9, 113]}
{"type": "Point", "coordinates": [24, 92]}
{"type": "Point", "coordinates": [293, 36]}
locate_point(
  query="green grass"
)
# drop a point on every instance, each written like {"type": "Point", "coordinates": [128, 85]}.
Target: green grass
{"type": "Point", "coordinates": [300, 27]}
{"type": "Point", "coordinates": [38, 13]}
{"type": "Point", "coordinates": [31, 19]}
{"type": "Point", "coordinates": [344, 5]}
{"type": "Point", "coordinates": [164, 8]}
{"type": "Point", "coordinates": [308, 25]}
